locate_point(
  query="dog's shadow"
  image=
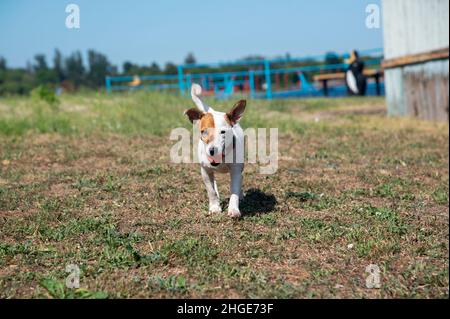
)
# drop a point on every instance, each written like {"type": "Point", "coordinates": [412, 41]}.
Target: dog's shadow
{"type": "Point", "coordinates": [256, 202]}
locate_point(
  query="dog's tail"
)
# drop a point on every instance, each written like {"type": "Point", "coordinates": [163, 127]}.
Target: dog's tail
{"type": "Point", "coordinates": [196, 91]}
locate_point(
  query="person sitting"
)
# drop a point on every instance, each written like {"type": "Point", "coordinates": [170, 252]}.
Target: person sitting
{"type": "Point", "coordinates": [354, 77]}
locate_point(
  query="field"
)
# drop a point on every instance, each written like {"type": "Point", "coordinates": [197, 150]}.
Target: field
{"type": "Point", "coordinates": [89, 182]}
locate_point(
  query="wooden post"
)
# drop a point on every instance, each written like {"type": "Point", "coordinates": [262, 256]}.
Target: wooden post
{"type": "Point", "coordinates": [377, 81]}
{"type": "Point", "coordinates": [188, 80]}
{"type": "Point", "coordinates": [204, 83]}
{"type": "Point", "coordinates": [325, 87]}
{"type": "Point", "coordinates": [108, 84]}
{"type": "Point", "coordinates": [181, 79]}
{"type": "Point", "coordinates": [268, 80]}
{"type": "Point", "coordinates": [251, 78]}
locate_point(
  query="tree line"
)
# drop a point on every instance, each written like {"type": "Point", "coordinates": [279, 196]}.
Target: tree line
{"type": "Point", "coordinates": [72, 73]}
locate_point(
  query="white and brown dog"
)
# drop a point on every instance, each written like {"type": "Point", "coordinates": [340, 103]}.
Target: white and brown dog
{"type": "Point", "coordinates": [220, 149]}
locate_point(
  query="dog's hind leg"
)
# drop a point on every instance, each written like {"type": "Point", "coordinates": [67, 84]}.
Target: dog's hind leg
{"type": "Point", "coordinates": [211, 189]}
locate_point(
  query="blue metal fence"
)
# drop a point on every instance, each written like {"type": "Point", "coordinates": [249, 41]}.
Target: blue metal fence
{"type": "Point", "coordinates": [258, 79]}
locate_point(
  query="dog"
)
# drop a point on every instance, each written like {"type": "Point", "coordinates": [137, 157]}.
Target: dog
{"type": "Point", "coordinates": [220, 149]}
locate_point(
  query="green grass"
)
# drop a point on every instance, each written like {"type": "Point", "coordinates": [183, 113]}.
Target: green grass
{"type": "Point", "coordinates": [89, 182]}
{"type": "Point", "coordinates": [143, 113]}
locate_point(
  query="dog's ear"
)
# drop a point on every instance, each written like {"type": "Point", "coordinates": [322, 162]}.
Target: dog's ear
{"type": "Point", "coordinates": [194, 114]}
{"type": "Point", "coordinates": [236, 112]}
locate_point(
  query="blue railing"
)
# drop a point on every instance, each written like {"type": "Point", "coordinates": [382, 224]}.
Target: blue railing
{"type": "Point", "coordinates": [261, 80]}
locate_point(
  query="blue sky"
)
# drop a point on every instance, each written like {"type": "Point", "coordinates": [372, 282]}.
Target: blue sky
{"type": "Point", "coordinates": [166, 30]}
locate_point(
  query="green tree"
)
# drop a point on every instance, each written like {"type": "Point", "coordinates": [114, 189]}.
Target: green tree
{"type": "Point", "coordinates": [43, 74]}
{"type": "Point", "coordinates": [128, 67]}
{"type": "Point", "coordinates": [190, 59]}
{"type": "Point", "coordinates": [154, 68]}
{"type": "Point", "coordinates": [58, 66]}
{"type": "Point", "coordinates": [15, 81]}
{"type": "Point", "coordinates": [2, 73]}
{"type": "Point", "coordinates": [40, 63]}
{"type": "Point", "coordinates": [2, 64]}
{"type": "Point", "coordinates": [333, 58]}
{"type": "Point", "coordinates": [75, 68]}
{"type": "Point", "coordinates": [99, 67]}
{"type": "Point", "coordinates": [170, 68]}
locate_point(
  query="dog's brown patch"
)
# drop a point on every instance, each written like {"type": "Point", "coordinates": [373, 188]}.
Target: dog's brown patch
{"type": "Point", "coordinates": [194, 114]}
{"type": "Point", "coordinates": [207, 127]}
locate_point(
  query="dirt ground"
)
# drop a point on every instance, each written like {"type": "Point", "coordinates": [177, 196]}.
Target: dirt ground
{"type": "Point", "coordinates": [354, 188]}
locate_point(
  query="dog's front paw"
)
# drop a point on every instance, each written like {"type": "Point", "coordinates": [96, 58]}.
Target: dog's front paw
{"type": "Point", "coordinates": [234, 213]}
{"type": "Point", "coordinates": [215, 209]}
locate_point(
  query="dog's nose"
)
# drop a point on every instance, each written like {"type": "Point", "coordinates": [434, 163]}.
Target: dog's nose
{"type": "Point", "coordinates": [213, 151]}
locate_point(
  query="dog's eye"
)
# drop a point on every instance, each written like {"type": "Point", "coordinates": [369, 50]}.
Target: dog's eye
{"type": "Point", "coordinates": [205, 133]}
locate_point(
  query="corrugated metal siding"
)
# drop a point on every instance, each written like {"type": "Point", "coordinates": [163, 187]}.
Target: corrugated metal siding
{"type": "Point", "coordinates": [393, 83]}
{"type": "Point", "coordinates": [419, 90]}
{"type": "Point", "coordinates": [426, 90]}
{"type": "Point", "coordinates": [414, 26]}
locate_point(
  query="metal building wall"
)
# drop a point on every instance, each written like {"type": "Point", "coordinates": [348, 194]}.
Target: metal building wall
{"type": "Point", "coordinates": [414, 27]}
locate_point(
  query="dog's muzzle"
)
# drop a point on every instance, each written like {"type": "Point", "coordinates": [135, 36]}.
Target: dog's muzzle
{"type": "Point", "coordinates": [214, 163]}
{"type": "Point", "coordinates": [212, 160]}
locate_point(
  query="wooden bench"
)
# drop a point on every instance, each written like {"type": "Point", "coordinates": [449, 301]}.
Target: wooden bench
{"type": "Point", "coordinates": [370, 73]}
